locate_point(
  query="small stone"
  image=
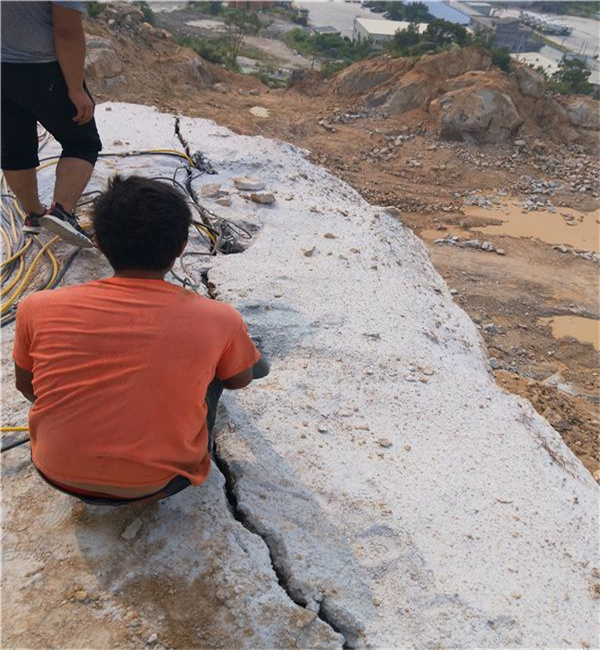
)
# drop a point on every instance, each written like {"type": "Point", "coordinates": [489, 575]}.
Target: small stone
{"type": "Point", "coordinates": [80, 595]}
{"type": "Point", "coordinates": [224, 200]}
{"type": "Point", "coordinates": [500, 251]}
{"type": "Point", "coordinates": [453, 292]}
{"type": "Point", "coordinates": [322, 429]}
{"type": "Point", "coordinates": [377, 602]}
{"type": "Point", "coordinates": [263, 197]}
{"type": "Point", "coordinates": [516, 595]}
{"type": "Point", "coordinates": [384, 442]}
{"type": "Point", "coordinates": [132, 529]}
{"type": "Point", "coordinates": [210, 191]}
{"type": "Point", "coordinates": [407, 447]}
{"type": "Point", "coordinates": [329, 235]}
{"type": "Point", "coordinates": [248, 183]}
{"type": "Point", "coordinates": [153, 638]}
{"type": "Point", "coordinates": [309, 252]}
{"type": "Point", "coordinates": [494, 363]}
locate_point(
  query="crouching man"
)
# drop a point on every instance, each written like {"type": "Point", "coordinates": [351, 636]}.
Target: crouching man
{"type": "Point", "coordinates": [124, 372]}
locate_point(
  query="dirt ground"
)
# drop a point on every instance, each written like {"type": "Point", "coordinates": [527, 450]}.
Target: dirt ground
{"type": "Point", "coordinates": [425, 181]}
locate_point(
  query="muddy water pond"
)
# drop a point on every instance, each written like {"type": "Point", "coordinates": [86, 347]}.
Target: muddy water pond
{"type": "Point", "coordinates": [585, 330]}
{"type": "Point", "coordinates": [581, 230]}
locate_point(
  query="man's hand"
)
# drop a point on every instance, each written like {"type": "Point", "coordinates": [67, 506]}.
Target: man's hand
{"type": "Point", "coordinates": [83, 104]}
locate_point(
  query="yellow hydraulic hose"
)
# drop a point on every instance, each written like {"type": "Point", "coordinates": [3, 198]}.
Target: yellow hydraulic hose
{"type": "Point", "coordinates": [6, 305]}
{"type": "Point", "coordinates": [7, 288]}
{"type": "Point", "coordinates": [18, 254]}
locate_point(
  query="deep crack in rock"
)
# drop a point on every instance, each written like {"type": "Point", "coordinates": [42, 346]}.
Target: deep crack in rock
{"type": "Point", "coordinates": [184, 144]}
{"type": "Point", "coordinates": [324, 611]}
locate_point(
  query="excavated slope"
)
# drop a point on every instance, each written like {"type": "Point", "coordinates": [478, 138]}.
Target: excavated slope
{"type": "Point", "coordinates": [377, 489]}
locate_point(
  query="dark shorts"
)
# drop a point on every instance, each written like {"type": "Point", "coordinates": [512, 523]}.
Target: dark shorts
{"type": "Point", "coordinates": [37, 92]}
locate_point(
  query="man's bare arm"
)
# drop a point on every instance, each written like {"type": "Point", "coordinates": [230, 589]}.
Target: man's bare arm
{"type": "Point", "coordinates": [24, 383]}
{"type": "Point", "coordinates": [69, 41]}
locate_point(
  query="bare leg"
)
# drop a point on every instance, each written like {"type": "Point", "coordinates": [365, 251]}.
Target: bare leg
{"type": "Point", "coordinates": [72, 176]}
{"type": "Point", "coordinates": [23, 183]}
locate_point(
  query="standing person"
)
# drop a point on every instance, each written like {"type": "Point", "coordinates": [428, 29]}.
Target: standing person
{"type": "Point", "coordinates": [43, 56]}
{"type": "Point", "coordinates": [125, 373]}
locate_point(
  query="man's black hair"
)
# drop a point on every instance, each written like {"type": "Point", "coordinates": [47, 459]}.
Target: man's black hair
{"type": "Point", "coordinates": [141, 223]}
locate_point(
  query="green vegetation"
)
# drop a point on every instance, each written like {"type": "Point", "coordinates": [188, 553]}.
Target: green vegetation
{"type": "Point", "coordinates": [215, 49]}
{"type": "Point", "coordinates": [95, 8]}
{"type": "Point", "coordinates": [267, 76]}
{"type": "Point", "coordinates": [335, 51]}
{"type": "Point", "coordinates": [225, 49]}
{"type": "Point", "coordinates": [441, 35]}
{"type": "Point", "coordinates": [572, 78]}
{"type": "Point", "coordinates": [413, 12]}
{"type": "Point", "coordinates": [240, 24]}
{"type": "Point", "coordinates": [144, 7]}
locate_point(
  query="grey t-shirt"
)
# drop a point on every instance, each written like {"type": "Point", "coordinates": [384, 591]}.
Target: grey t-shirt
{"type": "Point", "coordinates": [27, 35]}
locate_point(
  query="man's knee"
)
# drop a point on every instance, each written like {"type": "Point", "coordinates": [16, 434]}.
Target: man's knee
{"type": "Point", "coordinates": [84, 144]}
{"type": "Point", "coordinates": [82, 152]}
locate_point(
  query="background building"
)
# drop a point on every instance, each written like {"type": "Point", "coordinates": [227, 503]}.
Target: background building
{"type": "Point", "coordinates": [380, 31]}
{"type": "Point", "coordinates": [509, 32]}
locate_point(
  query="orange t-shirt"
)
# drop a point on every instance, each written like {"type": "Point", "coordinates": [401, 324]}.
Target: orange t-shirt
{"type": "Point", "coordinates": [120, 371]}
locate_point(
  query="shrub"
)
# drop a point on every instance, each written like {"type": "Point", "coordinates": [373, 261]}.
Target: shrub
{"type": "Point", "coordinates": [95, 9]}
{"type": "Point", "coordinates": [501, 58]}
{"type": "Point", "coordinates": [144, 7]}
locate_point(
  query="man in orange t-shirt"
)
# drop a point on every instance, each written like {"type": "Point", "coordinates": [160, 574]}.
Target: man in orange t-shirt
{"type": "Point", "coordinates": [118, 369]}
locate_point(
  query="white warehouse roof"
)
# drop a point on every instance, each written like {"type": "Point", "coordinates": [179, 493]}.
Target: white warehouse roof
{"type": "Point", "coordinates": [386, 27]}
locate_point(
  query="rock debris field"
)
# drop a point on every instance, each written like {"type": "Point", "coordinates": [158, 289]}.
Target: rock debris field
{"type": "Point", "coordinates": [378, 489]}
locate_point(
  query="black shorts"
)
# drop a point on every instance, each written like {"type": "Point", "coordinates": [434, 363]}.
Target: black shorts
{"type": "Point", "coordinates": [37, 92]}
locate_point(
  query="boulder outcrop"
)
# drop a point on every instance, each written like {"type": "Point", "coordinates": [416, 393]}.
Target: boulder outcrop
{"type": "Point", "coordinates": [475, 114]}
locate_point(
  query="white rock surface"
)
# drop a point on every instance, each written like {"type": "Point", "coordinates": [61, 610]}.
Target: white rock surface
{"type": "Point", "coordinates": [477, 527]}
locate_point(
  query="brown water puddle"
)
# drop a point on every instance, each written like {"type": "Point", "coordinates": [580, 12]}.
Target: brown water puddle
{"type": "Point", "coordinates": [553, 228]}
{"type": "Point", "coordinates": [585, 330]}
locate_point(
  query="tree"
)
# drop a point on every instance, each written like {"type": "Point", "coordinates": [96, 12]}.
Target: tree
{"type": "Point", "coordinates": [240, 24]}
{"type": "Point", "coordinates": [404, 39]}
{"type": "Point", "coordinates": [394, 10]}
{"type": "Point", "coordinates": [413, 12]}
{"type": "Point", "coordinates": [417, 12]}
{"type": "Point", "coordinates": [442, 33]}
{"type": "Point", "coordinates": [572, 78]}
